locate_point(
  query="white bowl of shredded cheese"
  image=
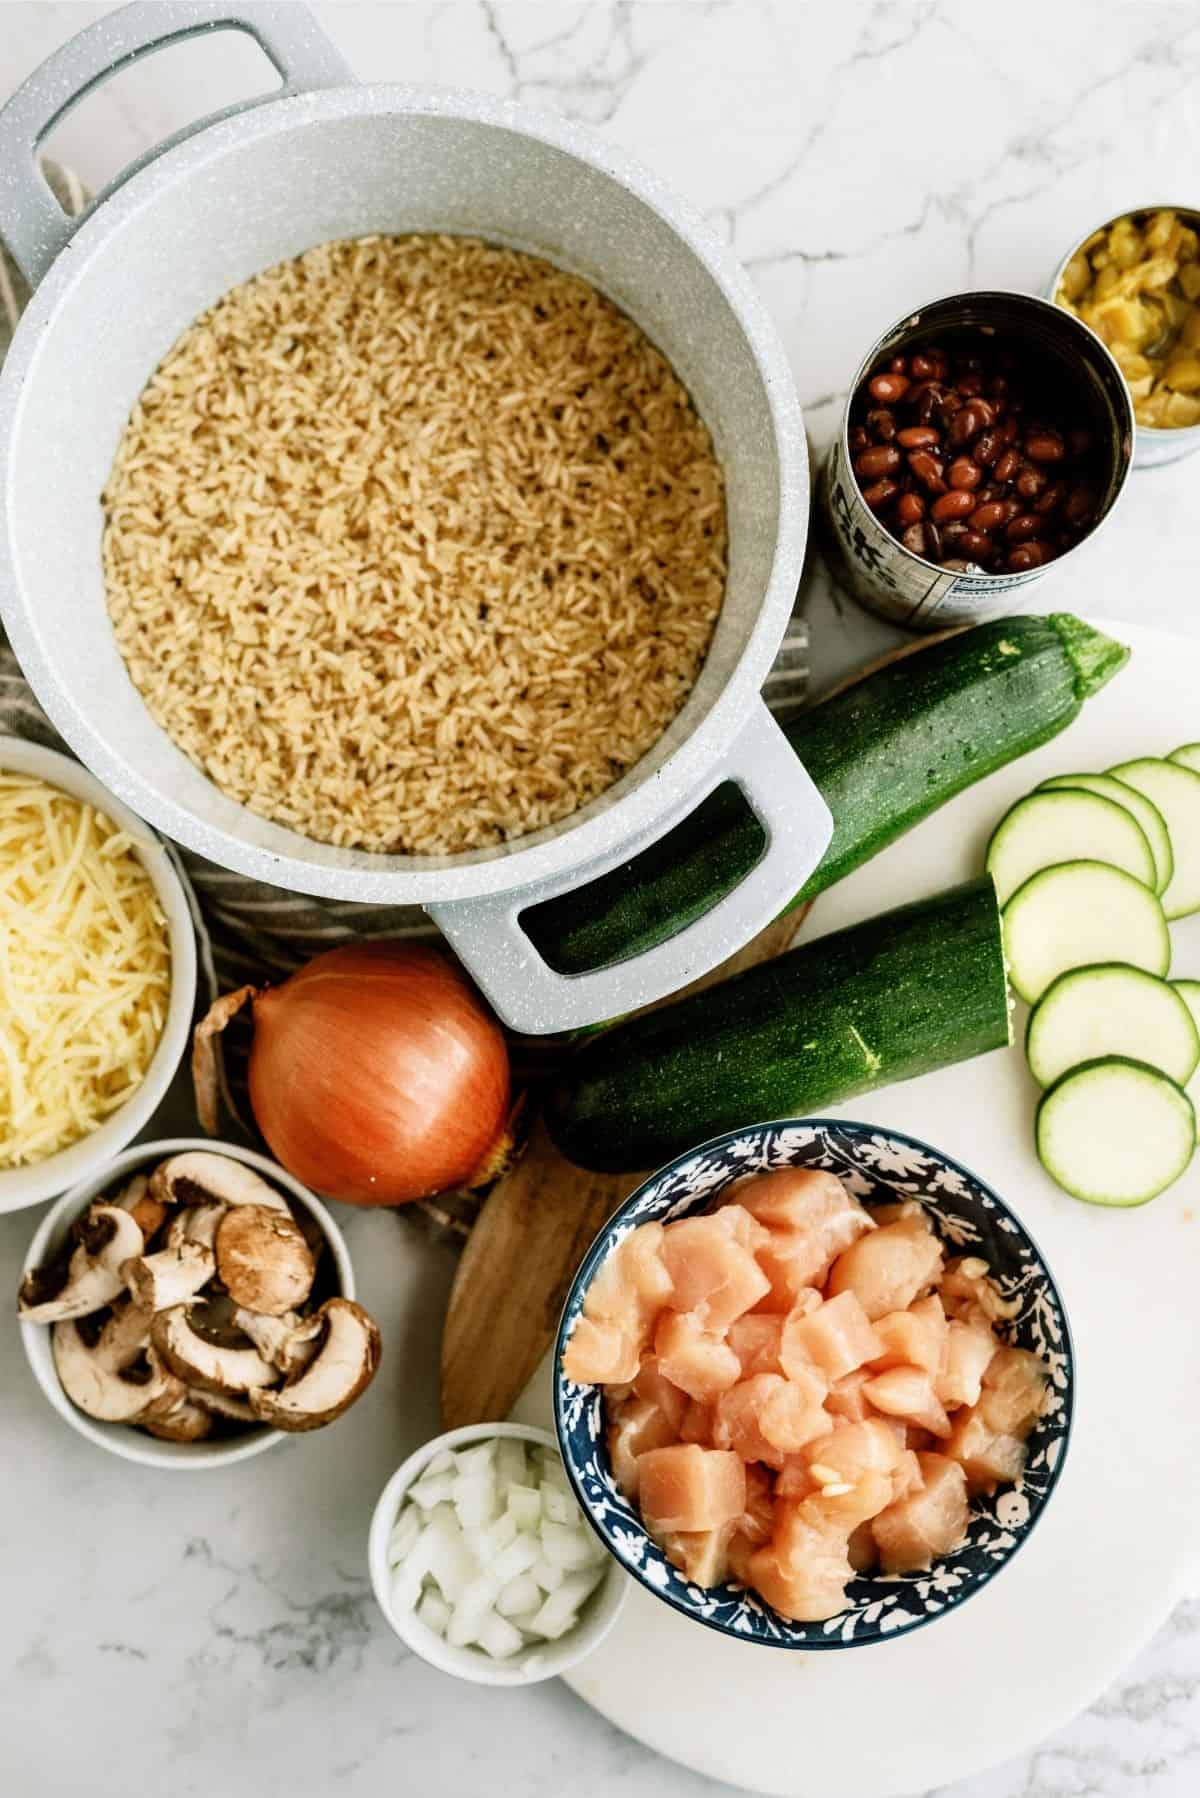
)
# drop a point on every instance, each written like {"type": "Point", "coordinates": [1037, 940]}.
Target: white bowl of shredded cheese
{"type": "Point", "coordinates": [97, 974]}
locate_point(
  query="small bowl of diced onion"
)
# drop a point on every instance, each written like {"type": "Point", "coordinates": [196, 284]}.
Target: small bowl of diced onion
{"type": "Point", "coordinates": [482, 1561]}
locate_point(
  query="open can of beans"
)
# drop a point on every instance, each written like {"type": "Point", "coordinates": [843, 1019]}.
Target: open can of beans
{"type": "Point", "coordinates": [986, 436]}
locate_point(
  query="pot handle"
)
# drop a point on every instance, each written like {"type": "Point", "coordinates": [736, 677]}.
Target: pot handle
{"type": "Point", "coordinates": [32, 223]}
{"type": "Point", "coordinates": [487, 936]}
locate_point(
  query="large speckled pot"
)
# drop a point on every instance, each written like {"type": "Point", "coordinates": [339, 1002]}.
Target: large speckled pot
{"type": "Point", "coordinates": [323, 158]}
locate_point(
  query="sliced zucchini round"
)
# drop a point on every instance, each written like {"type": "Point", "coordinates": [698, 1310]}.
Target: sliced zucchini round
{"type": "Point", "coordinates": [1069, 826]}
{"type": "Point", "coordinates": [1112, 1009]}
{"type": "Point", "coordinates": [1189, 992]}
{"type": "Point", "coordinates": [1147, 815]}
{"type": "Point", "coordinates": [1175, 790]}
{"type": "Point", "coordinates": [1115, 1132]}
{"type": "Point", "coordinates": [1187, 756]}
{"type": "Point", "coordinates": [1076, 914]}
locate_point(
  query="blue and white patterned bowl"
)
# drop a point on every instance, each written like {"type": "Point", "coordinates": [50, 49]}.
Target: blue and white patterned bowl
{"type": "Point", "coordinates": [878, 1167]}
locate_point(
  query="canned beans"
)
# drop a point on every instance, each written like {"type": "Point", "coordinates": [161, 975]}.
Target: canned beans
{"type": "Point", "coordinates": [952, 505]}
{"type": "Point", "coordinates": [968, 463]}
{"type": "Point", "coordinates": [962, 472]}
{"type": "Point", "coordinates": [885, 458]}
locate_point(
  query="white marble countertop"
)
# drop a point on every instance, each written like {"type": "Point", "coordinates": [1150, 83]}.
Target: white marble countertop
{"type": "Point", "coordinates": [218, 1635]}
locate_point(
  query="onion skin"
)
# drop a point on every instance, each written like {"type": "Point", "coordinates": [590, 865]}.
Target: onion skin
{"type": "Point", "coordinates": [377, 1074]}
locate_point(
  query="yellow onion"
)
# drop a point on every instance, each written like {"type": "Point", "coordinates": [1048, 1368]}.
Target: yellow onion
{"type": "Point", "coordinates": [377, 1074]}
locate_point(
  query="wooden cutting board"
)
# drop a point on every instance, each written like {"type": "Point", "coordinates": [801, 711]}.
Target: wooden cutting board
{"type": "Point", "coordinates": [535, 1227]}
{"type": "Point", "coordinates": [531, 1234]}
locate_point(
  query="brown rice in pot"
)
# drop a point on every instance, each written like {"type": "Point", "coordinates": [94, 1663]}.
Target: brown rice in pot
{"type": "Point", "coordinates": [414, 544]}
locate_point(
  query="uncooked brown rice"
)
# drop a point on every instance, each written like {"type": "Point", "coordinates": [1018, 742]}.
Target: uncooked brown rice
{"type": "Point", "coordinates": [414, 544]}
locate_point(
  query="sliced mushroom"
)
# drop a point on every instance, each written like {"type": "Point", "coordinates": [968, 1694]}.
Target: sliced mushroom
{"type": "Point", "coordinates": [201, 1361]}
{"type": "Point", "coordinates": [225, 1404]}
{"type": "Point", "coordinates": [289, 1342]}
{"type": "Point", "coordinates": [186, 1421]}
{"type": "Point", "coordinates": [344, 1365]}
{"type": "Point", "coordinates": [178, 1271]}
{"type": "Point", "coordinates": [113, 1373]}
{"type": "Point", "coordinates": [199, 1177]}
{"type": "Point", "coordinates": [149, 1214]}
{"type": "Point", "coordinates": [263, 1260]}
{"type": "Point", "coordinates": [89, 1276]}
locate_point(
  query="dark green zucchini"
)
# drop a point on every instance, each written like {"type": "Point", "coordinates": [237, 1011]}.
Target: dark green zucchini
{"type": "Point", "coordinates": [885, 753]}
{"type": "Point", "coordinates": [902, 994]}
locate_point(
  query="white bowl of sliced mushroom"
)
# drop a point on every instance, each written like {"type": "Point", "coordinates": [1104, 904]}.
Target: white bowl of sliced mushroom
{"type": "Point", "coordinates": [193, 1304]}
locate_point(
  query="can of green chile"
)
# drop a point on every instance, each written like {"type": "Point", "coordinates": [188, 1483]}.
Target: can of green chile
{"type": "Point", "coordinates": [1153, 445]}
{"type": "Point", "coordinates": [868, 561]}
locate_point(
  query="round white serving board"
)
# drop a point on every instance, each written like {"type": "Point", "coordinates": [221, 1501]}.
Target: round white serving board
{"type": "Point", "coordinates": [1119, 1541]}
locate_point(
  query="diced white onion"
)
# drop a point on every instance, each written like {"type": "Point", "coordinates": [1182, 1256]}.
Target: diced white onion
{"type": "Point", "coordinates": [474, 1498]}
{"type": "Point", "coordinates": [499, 1638]}
{"type": "Point", "coordinates": [434, 1612]}
{"type": "Point", "coordinates": [562, 1607]}
{"type": "Point", "coordinates": [404, 1536]}
{"type": "Point", "coordinates": [557, 1505]}
{"type": "Point", "coordinates": [432, 1490]}
{"type": "Point", "coordinates": [548, 1577]}
{"type": "Point", "coordinates": [510, 1461]}
{"type": "Point", "coordinates": [491, 1551]}
{"type": "Point", "coordinates": [525, 1504]}
{"type": "Point", "coordinates": [567, 1547]}
{"type": "Point", "coordinates": [521, 1597]}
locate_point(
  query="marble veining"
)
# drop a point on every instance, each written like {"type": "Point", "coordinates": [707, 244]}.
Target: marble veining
{"type": "Point", "coordinates": [859, 158]}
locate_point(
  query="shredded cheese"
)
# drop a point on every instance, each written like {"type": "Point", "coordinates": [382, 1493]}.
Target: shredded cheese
{"type": "Point", "coordinates": [85, 969]}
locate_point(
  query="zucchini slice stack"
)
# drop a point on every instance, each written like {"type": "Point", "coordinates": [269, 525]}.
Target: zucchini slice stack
{"type": "Point", "coordinates": [1090, 870]}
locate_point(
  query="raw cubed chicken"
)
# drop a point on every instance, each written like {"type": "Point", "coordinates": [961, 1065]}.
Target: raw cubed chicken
{"type": "Point", "coordinates": [808, 1203]}
{"type": "Point", "coordinates": [632, 1286]}
{"type": "Point", "coordinates": [837, 1338]}
{"type": "Point", "coordinates": [967, 1353]}
{"type": "Point", "coordinates": [913, 1338]}
{"type": "Point", "coordinates": [787, 1263]}
{"type": "Point", "coordinates": [637, 1427]}
{"type": "Point", "coordinates": [713, 1277]}
{"type": "Point", "coordinates": [845, 1396]}
{"type": "Point", "coordinates": [907, 1393]}
{"type": "Point", "coordinates": [767, 1417]}
{"type": "Point", "coordinates": [699, 1362]}
{"type": "Point", "coordinates": [795, 1390]}
{"type": "Point", "coordinates": [744, 1229]}
{"type": "Point", "coordinates": [754, 1526]}
{"type": "Point", "coordinates": [989, 1457]}
{"type": "Point", "coordinates": [862, 1551]}
{"type": "Point", "coordinates": [929, 1521]}
{"type": "Point", "coordinates": [889, 1268]}
{"type": "Point", "coordinates": [1014, 1391]}
{"type": "Point", "coordinates": [755, 1340]}
{"type": "Point", "coordinates": [810, 1590]}
{"type": "Point", "coordinates": [598, 1353]}
{"type": "Point", "coordinates": [702, 1556]}
{"type": "Point", "coordinates": [906, 1475]}
{"type": "Point", "coordinates": [653, 1384]}
{"type": "Point", "coordinates": [841, 1507]}
{"type": "Point", "coordinates": [700, 1422]}
{"type": "Point", "coordinates": [873, 1446]}
{"type": "Point", "coordinates": [691, 1488]}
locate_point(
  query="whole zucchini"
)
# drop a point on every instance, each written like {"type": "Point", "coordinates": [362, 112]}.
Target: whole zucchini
{"type": "Point", "coordinates": [902, 994]}
{"type": "Point", "coordinates": [885, 752]}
